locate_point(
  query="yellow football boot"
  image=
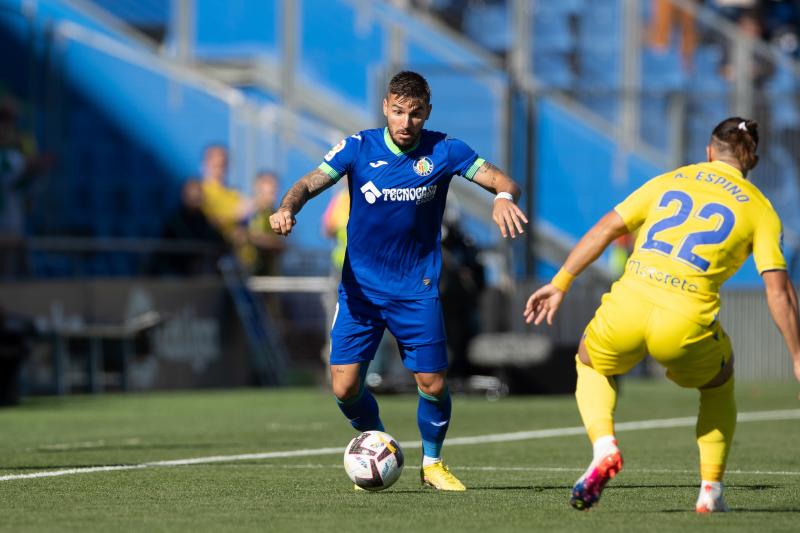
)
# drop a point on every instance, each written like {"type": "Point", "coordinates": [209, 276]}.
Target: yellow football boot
{"type": "Point", "coordinates": [439, 477]}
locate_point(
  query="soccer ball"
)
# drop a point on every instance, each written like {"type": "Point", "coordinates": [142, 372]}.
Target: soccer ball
{"type": "Point", "coordinates": [373, 460]}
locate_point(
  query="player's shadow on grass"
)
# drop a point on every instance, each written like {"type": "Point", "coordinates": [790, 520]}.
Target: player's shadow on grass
{"type": "Point", "coordinates": [737, 510]}
{"type": "Point", "coordinates": [536, 488]}
{"type": "Point", "coordinates": [542, 488]}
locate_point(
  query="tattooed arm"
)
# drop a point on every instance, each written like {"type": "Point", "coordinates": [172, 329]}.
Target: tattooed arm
{"type": "Point", "coordinates": [306, 188]}
{"type": "Point", "coordinates": [495, 180]}
{"type": "Point", "coordinates": [505, 213]}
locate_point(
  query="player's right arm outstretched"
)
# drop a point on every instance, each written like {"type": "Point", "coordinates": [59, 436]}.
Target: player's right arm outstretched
{"type": "Point", "coordinates": [545, 302]}
{"type": "Point", "coordinates": [307, 187]}
{"type": "Point", "coordinates": [782, 302]}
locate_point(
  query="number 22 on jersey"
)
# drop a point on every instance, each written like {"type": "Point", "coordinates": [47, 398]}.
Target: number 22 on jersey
{"type": "Point", "coordinates": [726, 220]}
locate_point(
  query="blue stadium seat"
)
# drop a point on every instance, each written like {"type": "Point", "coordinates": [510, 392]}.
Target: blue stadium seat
{"type": "Point", "coordinates": [561, 7]}
{"type": "Point", "coordinates": [553, 70]}
{"type": "Point", "coordinates": [600, 68]}
{"type": "Point", "coordinates": [654, 123]}
{"type": "Point", "coordinates": [604, 103]}
{"type": "Point", "coordinates": [600, 22]}
{"type": "Point", "coordinates": [707, 62]}
{"type": "Point", "coordinates": [488, 25]}
{"type": "Point", "coordinates": [781, 89]}
{"type": "Point", "coordinates": [662, 71]}
{"type": "Point", "coordinates": [551, 32]}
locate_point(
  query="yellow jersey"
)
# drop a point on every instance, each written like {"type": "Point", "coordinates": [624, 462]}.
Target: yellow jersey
{"type": "Point", "coordinates": [222, 206]}
{"type": "Point", "coordinates": [697, 225]}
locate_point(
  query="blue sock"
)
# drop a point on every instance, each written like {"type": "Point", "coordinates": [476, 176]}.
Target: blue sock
{"type": "Point", "coordinates": [433, 418]}
{"type": "Point", "coordinates": [362, 409]}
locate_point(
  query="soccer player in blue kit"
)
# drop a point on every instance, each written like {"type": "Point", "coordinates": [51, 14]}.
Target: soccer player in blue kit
{"type": "Point", "coordinates": [398, 181]}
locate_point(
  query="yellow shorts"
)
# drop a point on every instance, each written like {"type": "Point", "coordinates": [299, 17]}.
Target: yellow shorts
{"type": "Point", "coordinates": [626, 327]}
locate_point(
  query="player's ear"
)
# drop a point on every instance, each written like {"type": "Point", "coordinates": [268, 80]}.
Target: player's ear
{"type": "Point", "coordinates": [709, 153]}
{"type": "Point", "coordinates": [385, 107]}
{"type": "Point", "coordinates": [430, 108]}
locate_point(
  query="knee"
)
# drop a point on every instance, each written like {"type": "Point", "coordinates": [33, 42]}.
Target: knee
{"type": "Point", "coordinates": [724, 376]}
{"type": "Point", "coordinates": [345, 389]}
{"type": "Point", "coordinates": [583, 354]}
{"type": "Point", "coordinates": [432, 384]}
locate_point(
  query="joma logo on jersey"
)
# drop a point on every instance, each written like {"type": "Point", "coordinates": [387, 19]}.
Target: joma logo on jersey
{"type": "Point", "coordinates": [419, 195]}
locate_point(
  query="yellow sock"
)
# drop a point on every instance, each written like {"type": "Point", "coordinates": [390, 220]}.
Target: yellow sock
{"type": "Point", "coordinates": [716, 423]}
{"type": "Point", "coordinates": [597, 398]}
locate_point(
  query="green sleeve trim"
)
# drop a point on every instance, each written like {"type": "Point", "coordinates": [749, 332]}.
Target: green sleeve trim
{"type": "Point", "coordinates": [470, 173]}
{"type": "Point", "coordinates": [329, 170]}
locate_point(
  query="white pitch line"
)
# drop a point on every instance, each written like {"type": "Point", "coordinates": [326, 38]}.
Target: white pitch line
{"type": "Point", "coordinates": [757, 416]}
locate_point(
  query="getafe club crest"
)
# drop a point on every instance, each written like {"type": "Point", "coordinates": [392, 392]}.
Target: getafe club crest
{"type": "Point", "coordinates": [336, 149]}
{"type": "Point", "coordinates": [423, 166]}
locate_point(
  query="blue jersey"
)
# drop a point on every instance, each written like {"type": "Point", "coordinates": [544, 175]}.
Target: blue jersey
{"type": "Point", "coordinates": [397, 201]}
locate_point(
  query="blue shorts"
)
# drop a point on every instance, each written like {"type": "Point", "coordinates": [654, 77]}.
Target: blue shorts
{"type": "Point", "coordinates": [417, 325]}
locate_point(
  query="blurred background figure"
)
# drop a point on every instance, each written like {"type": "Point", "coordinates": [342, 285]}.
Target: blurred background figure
{"type": "Point", "coordinates": [19, 164]}
{"type": "Point", "coordinates": [188, 222]}
{"type": "Point", "coordinates": [261, 254]}
{"type": "Point", "coordinates": [225, 207]}
{"type": "Point", "coordinates": [334, 226]}
{"type": "Point", "coordinates": [460, 287]}
{"type": "Point", "coordinates": [666, 16]}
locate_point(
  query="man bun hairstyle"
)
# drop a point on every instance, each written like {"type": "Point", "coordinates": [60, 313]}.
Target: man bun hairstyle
{"type": "Point", "coordinates": [409, 84]}
{"type": "Point", "coordinates": [738, 137]}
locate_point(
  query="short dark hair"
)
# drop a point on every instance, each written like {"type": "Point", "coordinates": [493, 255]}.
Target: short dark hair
{"type": "Point", "coordinates": [739, 137]}
{"type": "Point", "coordinates": [410, 85]}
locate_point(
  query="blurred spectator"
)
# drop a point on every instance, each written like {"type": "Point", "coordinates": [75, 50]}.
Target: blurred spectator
{"type": "Point", "coordinates": [16, 333]}
{"type": "Point", "coordinates": [334, 226]}
{"type": "Point", "coordinates": [262, 252]}
{"type": "Point", "coordinates": [460, 287]}
{"type": "Point", "coordinates": [747, 17]}
{"type": "Point", "coordinates": [227, 208]}
{"type": "Point", "coordinates": [18, 165]}
{"type": "Point", "coordinates": [735, 9]}
{"type": "Point", "coordinates": [781, 23]}
{"type": "Point", "coordinates": [665, 17]}
{"type": "Point", "coordinates": [189, 223]}
{"type": "Point", "coordinates": [451, 12]}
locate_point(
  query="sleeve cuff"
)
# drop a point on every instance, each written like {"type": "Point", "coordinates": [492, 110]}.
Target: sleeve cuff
{"type": "Point", "coordinates": [330, 171]}
{"type": "Point", "coordinates": [767, 268]}
{"type": "Point", "coordinates": [470, 173]}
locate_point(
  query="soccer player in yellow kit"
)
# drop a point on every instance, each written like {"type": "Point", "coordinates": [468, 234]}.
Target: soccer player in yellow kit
{"type": "Point", "coordinates": [697, 225]}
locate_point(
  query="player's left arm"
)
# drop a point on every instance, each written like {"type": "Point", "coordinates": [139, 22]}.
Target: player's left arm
{"type": "Point", "coordinates": [782, 304]}
{"type": "Point", "coordinates": [505, 213]}
{"type": "Point", "coordinates": [781, 295]}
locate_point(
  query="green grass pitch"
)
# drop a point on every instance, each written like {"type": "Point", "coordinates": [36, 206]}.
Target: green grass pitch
{"type": "Point", "coordinates": [513, 486]}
